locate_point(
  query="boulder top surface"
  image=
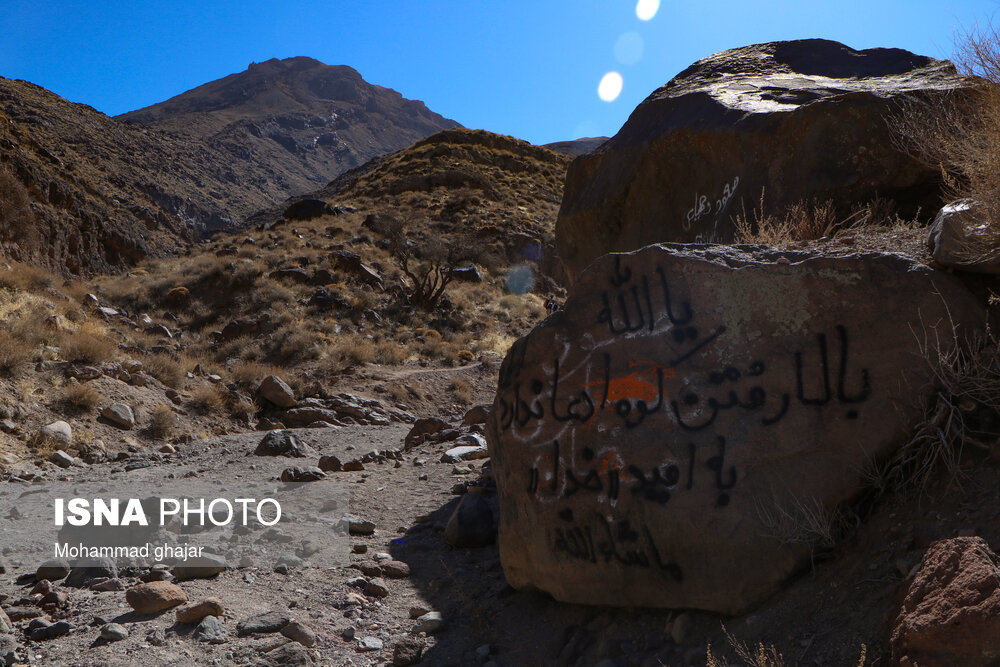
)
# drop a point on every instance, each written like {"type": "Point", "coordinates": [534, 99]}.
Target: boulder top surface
{"type": "Point", "coordinates": [780, 76]}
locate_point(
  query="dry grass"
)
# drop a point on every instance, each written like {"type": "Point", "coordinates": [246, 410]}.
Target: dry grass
{"type": "Point", "coordinates": [959, 135]}
{"type": "Point", "coordinates": [207, 399]}
{"type": "Point", "coordinates": [760, 655]}
{"type": "Point", "coordinates": [162, 422]}
{"type": "Point", "coordinates": [248, 374]}
{"type": "Point", "coordinates": [88, 345]}
{"type": "Point", "coordinates": [15, 354]}
{"type": "Point", "coordinates": [82, 397]}
{"type": "Point", "coordinates": [461, 390]}
{"type": "Point", "coordinates": [165, 369]}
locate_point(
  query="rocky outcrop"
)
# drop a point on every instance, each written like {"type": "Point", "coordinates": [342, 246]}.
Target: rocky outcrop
{"type": "Point", "coordinates": [674, 435]}
{"type": "Point", "coordinates": [951, 614]}
{"type": "Point", "coordinates": [790, 122]}
{"type": "Point", "coordinates": [961, 237]}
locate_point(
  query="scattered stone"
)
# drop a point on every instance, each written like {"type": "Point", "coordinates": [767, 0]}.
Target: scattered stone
{"type": "Point", "coordinates": [429, 623]}
{"type": "Point", "coordinates": [951, 612]}
{"type": "Point", "coordinates": [376, 588]}
{"type": "Point", "coordinates": [353, 465]}
{"type": "Point", "coordinates": [59, 432]}
{"type": "Point", "coordinates": [307, 209]}
{"type": "Point", "coordinates": [475, 449]}
{"type": "Point", "coordinates": [199, 567]}
{"type": "Point", "coordinates": [348, 632]}
{"type": "Point", "coordinates": [407, 651]}
{"type": "Point", "coordinates": [961, 237]}
{"type": "Point", "coordinates": [52, 570]}
{"type": "Point", "coordinates": [276, 391]}
{"type": "Point", "coordinates": [154, 597]}
{"type": "Point", "coordinates": [6, 626]}
{"type": "Point", "coordinates": [211, 631]}
{"type": "Point", "coordinates": [417, 612]}
{"type": "Point", "coordinates": [156, 637]}
{"type": "Point", "coordinates": [329, 463]}
{"type": "Point", "coordinates": [23, 613]}
{"type": "Point", "coordinates": [119, 415]}
{"type": "Point", "coordinates": [359, 548]}
{"type": "Point", "coordinates": [114, 632]}
{"type": "Point", "coordinates": [370, 644]}
{"type": "Point", "coordinates": [395, 569]}
{"type": "Point", "coordinates": [471, 524]}
{"type": "Point", "coordinates": [54, 598]}
{"type": "Point", "coordinates": [681, 627]}
{"type": "Point", "coordinates": [467, 273]}
{"type": "Point", "coordinates": [297, 474]}
{"type": "Point", "coordinates": [422, 430]}
{"type": "Point", "coordinates": [44, 632]}
{"type": "Point", "coordinates": [194, 613]}
{"type": "Point", "coordinates": [89, 569]}
{"type": "Point", "coordinates": [271, 621]}
{"type": "Point", "coordinates": [359, 526]}
{"type": "Point", "coordinates": [298, 632]}
{"type": "Point", "coordinates": [281, 443]}
{"type": "Point", "coordinates": [62, 459]}
{"type": "Point", "coordinates": [478, 414]}
{"type": "Point", "coordinates": [103, 585]}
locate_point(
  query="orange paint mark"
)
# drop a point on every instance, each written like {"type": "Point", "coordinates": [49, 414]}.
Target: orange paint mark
{"type": "Point", "coordinates": [642, 384]}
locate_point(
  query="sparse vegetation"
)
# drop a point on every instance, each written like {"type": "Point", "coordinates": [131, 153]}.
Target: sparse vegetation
{"type": "Point", "coordinates": [81, 397]}
{"type": "Point", "coordinates": [15, 354]}
{"type": "Point", "coordinates": [162, 422]}
{"type": "Point", "coordinates": [88, 345]}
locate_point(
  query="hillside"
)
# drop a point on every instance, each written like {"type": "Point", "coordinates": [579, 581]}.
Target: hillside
{"type": "Point", "coordinates": [306, 121]}
{"type": "Point", "coordinates": [104, 194]}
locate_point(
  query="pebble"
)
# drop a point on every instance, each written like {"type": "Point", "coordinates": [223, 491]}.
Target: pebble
{"type": "Point", "coordinates": [359, 526]}
{"type": "Point", "coordinates": [430, 623]}
{"type": "Point", "coordinates": [271, 621]}
{"type": "Point", "coordinates": [681, 627]}
{"type": "Point", "coordinates": [194, 613]}
{"type": "Point", "coordinates": [156, 637]}
{"type": "Point", "coordinates": [154, 597]}
{"type": "Point", "coordinates": [114, 632]}
{"type": "Point", "coordinates": [300, 633]}
{"type": "Point", "coordinates": [407, 651]}
{"type": "Point", "coordinates": [370, 644]}
{"type": "Point", "coordinates": [211, 630]}
{"type": "Point", "coordinates": [43, 632]}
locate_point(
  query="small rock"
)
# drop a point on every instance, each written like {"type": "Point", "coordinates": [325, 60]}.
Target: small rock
{"type": "Point", "coordinates": [102, 585]}
{"type": "Point", "coordinates": [370, 644]}
{"type": "Point", "coordinates": [271, 621]}
{"type": "Point", "coordinates": [52, 570]}
{"type": "Point", "coordinates": [297, 474]}
{"type": "Point", "coordinates": [51, 631]}
{"type": "Point", "coordinates": [200, 567]}
{"type": "Point", "coordinates": [329, 464]}
{"type": "Point", "coordinates": [156, 637]}
{"type": "Point", "coordinates": [408, 651]}
{"type": "Point", "coordinates": [681, 627]}
{"type": "Point", "coordinates": [281, 443]}
{"type": "Point", "coordinates": [276, 391]}
{"type": "Point", "coordinates": [87, 570]}
{"type": "Point", "coordinates": [211, 630]}
{"type": "Point", "coordinates": [395, 569]}
{"type": "Point", "coordinates": [194, 613]}
{"type": "Point", "coordinates": [430, 623]}
{"type": "Point", "coordinates": [376, 587]}
{"type": "Point", "coordinates": [359, 526]}
{"type": "Point", "coordinates": [298, 632]}
{"type": "Point", "coordinates": [359, 548]}
{"type": "Point", "coordinates": [60, 432]}
{"type": "Point", "coordinates": [114, 632]}
{"type": "Point", "coordinates": [154, 597]}
{"type": "Point", "coordinates": [477, 415]}
{"type": "Point", "coordinates": [417, 612]}
{"type": "Point", "coordinates": [62, 459]}
{"type": "Point", "coordinates": [119, 415]}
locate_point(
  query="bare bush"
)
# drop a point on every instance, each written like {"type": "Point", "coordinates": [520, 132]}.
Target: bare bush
{"type": "Point", "coordinates": [429, 267]}
{"type": "Point", "coordinates": [81, 397]}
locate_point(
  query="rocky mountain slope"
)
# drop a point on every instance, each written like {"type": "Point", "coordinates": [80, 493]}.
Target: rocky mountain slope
{"type": "Point", "coordinates": [104, 193]}
{"type": "Point", "coordinates": [306, 121]}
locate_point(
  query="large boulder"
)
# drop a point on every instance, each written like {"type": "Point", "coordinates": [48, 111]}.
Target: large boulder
{"type": "Point", "coordinates": [951, 613]}
{"type": "Point", "coordinates": [659, 439]}
{"type": "Point", "coordinates": [962, 237]}
{"type": "Point", "coordinates": [790, 121]}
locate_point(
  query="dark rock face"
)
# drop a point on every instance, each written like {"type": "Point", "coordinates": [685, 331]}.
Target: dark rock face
{"type": "Point", "coordinates": [793, 121]}
{"type": "Point", "coordinates": [663, 438]}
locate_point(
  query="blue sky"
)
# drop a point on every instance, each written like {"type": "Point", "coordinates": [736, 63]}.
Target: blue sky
{"type": "Point", "coordinates": [526, 68]}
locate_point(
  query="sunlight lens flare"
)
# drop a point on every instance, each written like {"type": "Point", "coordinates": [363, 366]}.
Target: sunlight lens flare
{"type": "Point", "coordinates": [628, 48]}
{"type": "Point", "coordinates": [610, 87]}
{"type": "Point", "coordinates": [646, 9]}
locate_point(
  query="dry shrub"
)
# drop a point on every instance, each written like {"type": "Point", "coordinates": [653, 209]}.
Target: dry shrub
{"type": "Point", "coordinates": [959, 135]}
{"type": "Point", "coordinates": [250, 373]}
{"type": "Point", "coordinates": [81, 397]}
{"type": "Point", "coordinates": [208, 399]}
{"type": "Point", "coordinates": [15, 354]}
{"type": "Point", "coordinates": [799, 222]}
{"type": "Point", "coordinates": [390, 353]}
{"type": "Point", "coordinates": [162, 422]}
{"type": "Point", "coordinates": [88, 345]}
{"type": "Point", "coordinates": [293, 344]}
{"type": "Point", "coordinates": [165, 369]}
{"type": "Point", "coordinates": [461, 390]}
{"type": "Point", "coordinates": [965, 411]}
